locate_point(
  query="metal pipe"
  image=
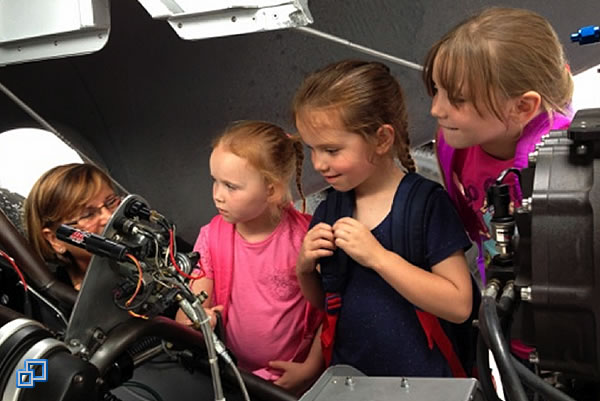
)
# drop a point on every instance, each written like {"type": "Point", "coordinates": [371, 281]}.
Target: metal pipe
{"type": "Point", "coordinates": [8, 315]}
{"type": "Point", "coordinates": [126, 334]}
{"type": "Point", "coordinates": [32, 264]}
{"type": "Point", "coordinates": [360, 48]}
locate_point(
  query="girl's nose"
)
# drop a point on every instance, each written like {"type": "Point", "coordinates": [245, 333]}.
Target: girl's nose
{"type": "Point", "coordinates": [217, 194]}
{"type": "Point", "coordinates": [438, 107]}
{"type": "Point", "coordinates": [318, 162]}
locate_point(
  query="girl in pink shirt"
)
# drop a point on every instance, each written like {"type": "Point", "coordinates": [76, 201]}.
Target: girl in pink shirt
{"type": "Point", "coordinates": [499, 81]}
{"type": "Point", "coordinates": [249, 251]}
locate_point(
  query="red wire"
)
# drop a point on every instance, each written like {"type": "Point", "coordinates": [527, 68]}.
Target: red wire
{"type": "Point", "coordinates": [14, 265]}
{"type": "Point", "coordinates": [184, 274]}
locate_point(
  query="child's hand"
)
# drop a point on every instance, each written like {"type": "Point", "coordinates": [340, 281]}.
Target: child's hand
{"type": "Point", "coordinates": [356, 240]}
{"type": "Point", "coordinates": [296, 376]}
{"type": "Point", "coordinates": [211, 312]}
{"type": "Point", "coordinates": [317, 243]}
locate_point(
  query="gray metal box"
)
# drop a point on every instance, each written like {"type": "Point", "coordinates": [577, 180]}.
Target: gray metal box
{"type": "Point", "coordinates": [344, 383]}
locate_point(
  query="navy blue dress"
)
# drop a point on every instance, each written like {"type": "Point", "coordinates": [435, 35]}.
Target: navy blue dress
{"type": "Point", "coordinates": [377, 330]}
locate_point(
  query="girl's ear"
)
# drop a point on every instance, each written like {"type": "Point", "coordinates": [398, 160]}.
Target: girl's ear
{"type": "Point", "coordinates": [384, 139]}
{"type": "Point", "coordinates": [526, 107]}
{"type": "Point", "coordinates": [273, 193]}
{"type": "Point", "coordinates": [55, 243]}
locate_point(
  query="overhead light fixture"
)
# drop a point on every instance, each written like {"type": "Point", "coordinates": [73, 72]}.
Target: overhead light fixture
{"type": "Point", "coordinates": [42, 29]}
{"type": "Point", "coordinates": [193, 19]}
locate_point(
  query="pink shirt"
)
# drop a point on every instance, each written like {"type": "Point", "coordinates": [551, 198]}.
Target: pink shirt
{"type": "Point", "coordinates": [467, 173]}
{"type": "Point", "coordinates": [266, 314]}
{"type": "Point", "coordinates": [476, 171]}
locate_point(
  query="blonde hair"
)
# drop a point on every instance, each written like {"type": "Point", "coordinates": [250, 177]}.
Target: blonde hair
{"type": "Point", "coordinates": [498, 54]}
{"type": "Point", "coordinates": [366, 96]}
{"type": "Point", "coordinates": [276, 154]}
{"type": "Point", "coordinates": [56, 196]}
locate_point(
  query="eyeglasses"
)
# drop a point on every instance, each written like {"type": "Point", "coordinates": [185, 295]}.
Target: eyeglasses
{"type": "Point", "coordinates": [90, 213]}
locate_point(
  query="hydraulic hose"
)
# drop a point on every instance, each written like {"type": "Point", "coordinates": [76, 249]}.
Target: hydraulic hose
{"type": "Point", "coordinates": [491, 330]}
{"type": "Point", "coordinates": [538, 384]}
{"type": "Point", "coordinates": [483, 369]}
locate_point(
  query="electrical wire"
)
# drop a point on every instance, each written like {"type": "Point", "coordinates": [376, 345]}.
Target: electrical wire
{"type": "Point", "coordinates": [137, 287]}
{"type": "Point", "coordinates": [241, 383]}
{"type": "Point", "coordinates": [174, 262]}
{"type": "Point", "coordinates": [139, 281]}
{"type": "Point", "coordinates": [144, 387]}
{"type": "Point", "coordinates": [16, 268]}
{"type": "Point", "coordinates": [49, 304]}
{"type": "Point", "coordinates": [145, 295]}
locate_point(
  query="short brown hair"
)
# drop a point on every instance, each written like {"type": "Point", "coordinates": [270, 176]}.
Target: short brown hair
{"type": "Point", "coordinates": [501, 53]}
{"type": "Point", "coordinates": [56, 196]}
{"type": "Point", "coordinates": [276, 154]}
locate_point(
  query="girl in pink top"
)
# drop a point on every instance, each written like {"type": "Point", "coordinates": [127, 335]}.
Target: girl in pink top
{"type": "Point", "coordinates": [249, 251]}
{"type": "Point", "coordinates": [499, 81]}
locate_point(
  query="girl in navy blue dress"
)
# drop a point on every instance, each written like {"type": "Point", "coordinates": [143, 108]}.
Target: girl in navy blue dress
{"type": "Point", "coordinates": [385, 254]}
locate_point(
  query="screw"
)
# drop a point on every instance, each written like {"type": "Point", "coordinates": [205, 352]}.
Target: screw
{"type": "Point", "coordinates": [532, 158]}
{"type": "Point", "coordinates": [78, 379]}
{"type": "Point", "coordinates": [581, 150]}
{"type": "Point", "coordinates": [526, 294]}
{"type": "Point", "coordinates": [404, 383]}
{"type": "Point", "coordinates": [534, 357]}
{"type": "Point", "coordinates": [526, 204]}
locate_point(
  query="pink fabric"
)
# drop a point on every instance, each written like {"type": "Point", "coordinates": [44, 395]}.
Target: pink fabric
{"type": "Point", "coordinates": [266, 317]}
{"type": "Point", "coordinates": [521, 350]}
{"type": "Point", "coordinates": [474, 182]}
{"type": "Point", "coordinates": [473, 170]}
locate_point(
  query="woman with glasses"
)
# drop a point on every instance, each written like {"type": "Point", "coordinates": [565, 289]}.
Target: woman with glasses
{"type": "Point", "coordinates": [80, 195]}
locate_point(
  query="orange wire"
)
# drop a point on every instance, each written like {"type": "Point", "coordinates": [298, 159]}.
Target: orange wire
{"type": "Point", "coordinates": [139, 282]}
{"type": "Point", "coordinates": [132, 313]}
